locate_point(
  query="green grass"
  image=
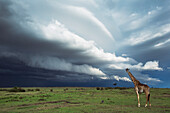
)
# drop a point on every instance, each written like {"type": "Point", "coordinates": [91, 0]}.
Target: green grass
{"type": "Point", "coordinates": [79, 100]}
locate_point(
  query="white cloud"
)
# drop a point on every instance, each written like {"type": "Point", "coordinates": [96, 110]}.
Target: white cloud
{"type": "Point", "coordinates": [122, 78]}
{"type": "Point", "coordinates": [56, 31]}
{"type": "Point", "coordinates": [134, 25]}
{"type": "Point", "coordinates": [90, 17]}
{"type": "Point", "coordinates": [153, 79]}
{"type": "Point", "coordinates": [104, 78]}
{"type": "Point", "coordinates": [150, 65]}
{"type": "Point", "coordinates": [117, 78]}
{"type": "Point", "coordinates": [162, 43]}
{"type": "Point", "coordinates": [148, 34]}
{"type": "Point", "coordinates": [145, 78]}
{"type": "Point", "coordinates": [124, 55]}
{"type": "Point", "coordinates": [83, 21]}
{"type": "Point", "coordinates": [139, 20]}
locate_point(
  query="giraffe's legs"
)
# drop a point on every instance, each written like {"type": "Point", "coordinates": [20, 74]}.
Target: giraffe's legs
{"type": "Point", "coordinates": [146, 93]}
{"type": "Point", "coordinates": [138, 98]}
{"type": "Point", "coordinates": [149, 101]}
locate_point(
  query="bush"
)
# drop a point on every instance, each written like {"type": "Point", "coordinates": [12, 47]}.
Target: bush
{"type": "Point", "coordinates": [101, 88]}
{"type": "Point", "coordinates": [114, 84]}
{"type": "Point", "coordinates": [65, 89]}
{"type": "Point", "coordinates": [30, 89]}
{"type": "Point", "coordinates": [37, 89]}
{"type": "Point", "coordinates": [51, 90]}
{"type": "Point", "coordinates": [97, 88]}
{"type": "Point", "coordinates": [16, 89]}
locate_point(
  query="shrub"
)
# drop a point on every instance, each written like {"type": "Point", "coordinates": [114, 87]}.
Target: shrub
{"type": "Point", "coordinates": [114, 84]}
{"type": "Point", "coordinates": [97, 88]}
{"type": "Point", "coordinates": [30, 89]}
{"type": "Point", "coordinates": [51, 90]}
{"type": "Point", "coordinates": [101, 88]}
{"type": "Point", "coordinates": [37, 89]}
{"type": "Point", "coordinates": [16, 89]}
{"type": "Point", "coordinates": [65, 89]}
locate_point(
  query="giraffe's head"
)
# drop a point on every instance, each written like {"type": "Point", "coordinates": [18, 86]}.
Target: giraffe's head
{"type": "Point", "coordinates": [127, 69]}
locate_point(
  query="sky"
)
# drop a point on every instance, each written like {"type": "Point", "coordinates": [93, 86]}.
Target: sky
{"type": "Point", "coordinates": [87, 43]}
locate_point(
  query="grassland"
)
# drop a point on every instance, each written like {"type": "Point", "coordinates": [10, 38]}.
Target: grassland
{"type": "Point", "coordinates": [85, 100]}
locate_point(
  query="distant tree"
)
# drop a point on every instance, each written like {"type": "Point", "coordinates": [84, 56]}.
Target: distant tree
{"type": "Point", "coordinates": [97, 88]}
{"type": "Point", "coordinates": [30, 89]}
{"type": "Point", "coordinates": [101, 88]}
{"type": "Point", "coordinates": [114, 84]}
{"type": "Point", "coordinates": [16, 89]}
{"type": "Point", "coordinates": [37, 89]}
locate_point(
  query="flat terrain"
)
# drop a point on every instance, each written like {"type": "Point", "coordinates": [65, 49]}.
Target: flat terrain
{"type": "Point", "coordinates": [85, 100]}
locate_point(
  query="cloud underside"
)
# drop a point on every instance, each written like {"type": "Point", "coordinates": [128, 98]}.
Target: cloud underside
{"type": "Point", "coordinates": [54, 45]}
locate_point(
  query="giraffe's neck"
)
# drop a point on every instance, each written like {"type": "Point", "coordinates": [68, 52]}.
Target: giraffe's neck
{"type": "Point", "coordinates": [134, 80]}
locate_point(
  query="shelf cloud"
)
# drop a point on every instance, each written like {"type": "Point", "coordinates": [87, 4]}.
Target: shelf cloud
{"type": "Point", "coordinates": [84, 40]}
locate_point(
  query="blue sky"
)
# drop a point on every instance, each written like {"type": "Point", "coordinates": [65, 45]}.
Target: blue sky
{"type": "Point", "coordinates": [84, 42]}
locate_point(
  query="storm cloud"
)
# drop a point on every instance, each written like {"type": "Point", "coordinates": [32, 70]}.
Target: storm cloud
{"type": "Point", "coordinates": [76, 40]}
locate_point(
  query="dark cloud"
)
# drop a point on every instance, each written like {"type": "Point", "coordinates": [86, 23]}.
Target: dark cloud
{"type": "Point", "coordinates": [16, 73]}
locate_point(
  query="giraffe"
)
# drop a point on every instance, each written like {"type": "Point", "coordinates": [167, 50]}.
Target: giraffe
{"type": "Point", "coordinates": [140, 88]}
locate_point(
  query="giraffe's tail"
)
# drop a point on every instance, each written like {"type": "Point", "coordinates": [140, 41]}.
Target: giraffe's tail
{"type": "Point", "coordinates": [148, 97]}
